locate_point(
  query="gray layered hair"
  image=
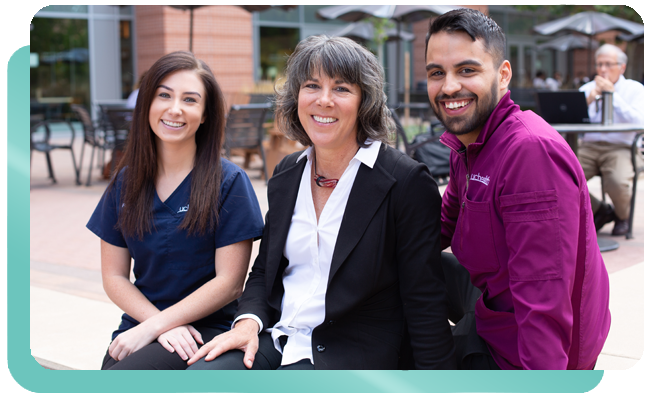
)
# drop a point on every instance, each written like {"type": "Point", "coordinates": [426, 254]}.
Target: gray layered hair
{"type": "Point", "coordinates": [607, 48]}
{"type": "Point", "coordinates": [339, 58]}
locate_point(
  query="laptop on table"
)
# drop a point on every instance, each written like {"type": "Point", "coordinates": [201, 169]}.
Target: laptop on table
{"type": "Point", "coordinates": [562, 107]}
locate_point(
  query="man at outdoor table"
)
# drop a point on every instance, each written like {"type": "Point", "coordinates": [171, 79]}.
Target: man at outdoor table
{"type": "Point", "coordinates": [609, 153]}
{"type": "Point", "coordinates": [516, 213]}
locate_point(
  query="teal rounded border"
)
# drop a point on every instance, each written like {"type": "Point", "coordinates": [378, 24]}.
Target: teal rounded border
{"type": "Point", "coordinates": [30, 375]}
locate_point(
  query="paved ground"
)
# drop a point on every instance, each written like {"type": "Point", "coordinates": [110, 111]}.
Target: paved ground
{"type": "Point", "coordinates": [67, 295]}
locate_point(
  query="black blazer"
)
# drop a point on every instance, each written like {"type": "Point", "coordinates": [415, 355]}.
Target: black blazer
{"type": "Point", "coordinates": [385, 268]}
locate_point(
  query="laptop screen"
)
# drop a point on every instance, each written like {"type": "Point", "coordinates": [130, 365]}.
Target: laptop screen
{"type": "Point", "coordinates": [562, 107]}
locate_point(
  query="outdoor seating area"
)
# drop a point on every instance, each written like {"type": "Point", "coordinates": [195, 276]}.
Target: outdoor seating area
{"type": "Point", "coordinates": [516, 216]}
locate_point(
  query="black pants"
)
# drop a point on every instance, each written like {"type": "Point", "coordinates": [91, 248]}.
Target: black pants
{"type": "Point", "coordinates": [266, 358]}
{"type": "Point", "coordinates": [154, 356]}
{"type": "Point", "coordinates": [472, 352]}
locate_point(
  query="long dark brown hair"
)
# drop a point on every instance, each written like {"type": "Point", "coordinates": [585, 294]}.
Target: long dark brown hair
{"type": "Point", "coordinates": [141, 159]}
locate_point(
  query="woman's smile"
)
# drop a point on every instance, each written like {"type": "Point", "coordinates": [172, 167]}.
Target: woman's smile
{"type": "Point", "coordinates": [173, 124]}
{"type": "Point", "coordinates": [328, 109]}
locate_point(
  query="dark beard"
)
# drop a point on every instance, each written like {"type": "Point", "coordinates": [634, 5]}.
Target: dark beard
{"type": "Point", "coordinates": [459, 126]}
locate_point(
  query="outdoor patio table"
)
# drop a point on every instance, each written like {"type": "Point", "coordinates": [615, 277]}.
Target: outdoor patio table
{"type": "Point", "coordinates": [571, 132]}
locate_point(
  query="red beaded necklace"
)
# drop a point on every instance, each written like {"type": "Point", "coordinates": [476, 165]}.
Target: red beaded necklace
{"type": "Point", "coordinates": [321, 180]}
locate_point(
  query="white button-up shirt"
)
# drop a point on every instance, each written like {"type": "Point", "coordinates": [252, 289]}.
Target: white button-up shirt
{"type": "Point", "coordinates": [309, 249]}
{"type": "Point", "coordinates": [628, 108]}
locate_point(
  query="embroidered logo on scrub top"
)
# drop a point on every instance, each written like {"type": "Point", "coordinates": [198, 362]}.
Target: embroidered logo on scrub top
{"type": "Point", "coordinates": [183, 209]}
{"type": "Point", "coordinates": [483, 179]}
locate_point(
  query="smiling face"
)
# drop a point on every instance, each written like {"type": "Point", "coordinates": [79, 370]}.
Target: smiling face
{"type": "Point", "coordinates": [328, 110]}
{"type": "Point", "coordinates": [177, 109]}
{"type": "Point", "coordinates": [463, 84]}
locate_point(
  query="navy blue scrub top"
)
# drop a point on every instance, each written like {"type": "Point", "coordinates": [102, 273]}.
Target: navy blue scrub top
{"type": "Point", "coordinates": [169, 265]}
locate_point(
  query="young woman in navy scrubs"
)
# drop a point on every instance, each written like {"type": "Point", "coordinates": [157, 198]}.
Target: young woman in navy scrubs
{"type": "Point", "coordinates": [185, 216]}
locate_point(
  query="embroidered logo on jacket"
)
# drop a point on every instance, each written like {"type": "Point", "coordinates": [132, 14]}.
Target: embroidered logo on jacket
{"type": "Point", "coordinates": [183, 209]}
{"type": "Point", "coordinates": [483, 179]}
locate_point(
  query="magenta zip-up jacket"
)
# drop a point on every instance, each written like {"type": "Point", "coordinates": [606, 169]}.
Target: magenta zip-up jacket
{"type": "Point", "coordinates": [517, 215]}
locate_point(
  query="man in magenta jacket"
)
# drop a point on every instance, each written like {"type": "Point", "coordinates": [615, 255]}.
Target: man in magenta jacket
{"type": "Point", "coordinates": [516, 213]}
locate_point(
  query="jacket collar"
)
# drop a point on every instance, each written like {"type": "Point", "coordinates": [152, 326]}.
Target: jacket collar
{"type": "Point", "coordinates": [365, 155]}
{"type": "Point", "coordinates": [369, 190]}
{"type": "Point", "coordinates": [504, 108]}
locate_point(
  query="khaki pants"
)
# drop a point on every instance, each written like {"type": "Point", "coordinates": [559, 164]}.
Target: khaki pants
{"type": "Point", "coordinates": [613, 162]}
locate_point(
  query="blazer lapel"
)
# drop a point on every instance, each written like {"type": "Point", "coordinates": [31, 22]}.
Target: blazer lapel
{"type": "Point", "coordinates": [282, 193]}
{"type": "Point", "coordinates": [368, 192]}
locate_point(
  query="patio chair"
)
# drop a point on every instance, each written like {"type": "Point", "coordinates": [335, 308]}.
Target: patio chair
{"type": "Point", "coordinates": [428, 122]}
{"type": "Point", "coordinates": [118, 123]}
{"type": "Point", "coordinates": [636, 169]}
{"type": "Point", "coordinates": [95, 135]}
{"type": "Point", "coordinates": [244, 130]}
{"type": "Point", "coordinates": [41, 140]}
{"type": "Point", "coordinates": [426, 148]}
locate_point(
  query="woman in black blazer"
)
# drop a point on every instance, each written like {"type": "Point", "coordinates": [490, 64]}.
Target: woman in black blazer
{"type": "Point", "coordinates": [348, 275]}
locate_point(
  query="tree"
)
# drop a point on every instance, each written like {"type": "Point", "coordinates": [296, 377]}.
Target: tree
{"type": "Point", "coordinates": [380, 31]}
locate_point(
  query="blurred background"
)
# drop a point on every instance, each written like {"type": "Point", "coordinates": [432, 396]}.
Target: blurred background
{"type": "Point", "coordinates": [92, 54]}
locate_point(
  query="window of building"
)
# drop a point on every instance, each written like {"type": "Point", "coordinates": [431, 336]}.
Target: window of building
{"type": "Point", "coordinates": [275, 14]}
{"type": "Point", "coordinates": [59, 73]}
{"type": "Point", "coordinates": [80, 54]}
{"type": "Point", "coordinates": [126, 55]}
{"type": "Point", "coordinates": [67, 9]}
{"type": "Point", "coordinates": [276, 44]}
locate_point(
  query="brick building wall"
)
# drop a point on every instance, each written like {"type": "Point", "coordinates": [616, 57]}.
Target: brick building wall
{"type": "Point", "coordinates": [222, 37]}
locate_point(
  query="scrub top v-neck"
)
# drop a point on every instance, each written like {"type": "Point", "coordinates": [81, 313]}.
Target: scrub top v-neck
{"type": "Point", "coordinates": [169, 264]}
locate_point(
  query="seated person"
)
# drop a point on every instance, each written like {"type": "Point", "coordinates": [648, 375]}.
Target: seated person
{"type": "Point", "coordinates": [539, 82]}
{"type": "Point", "coordinates": [350, 257]}
{"type": "Point", "coordinates": [184, 215]}
{"type": "Point", "coordinates": [609, 154]}
{"type": "Point", "coordinates": [555, 82]}
{"type": "Point", "coordinates": [516, 214]}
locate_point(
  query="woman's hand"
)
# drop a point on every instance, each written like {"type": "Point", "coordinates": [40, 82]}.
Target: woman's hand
{"type": "Point", "coordinates": [242, 337]}
{"type": "Point", "coordinates": [182, 339]}
{"type": "Point", "coordinates": [130, 341]}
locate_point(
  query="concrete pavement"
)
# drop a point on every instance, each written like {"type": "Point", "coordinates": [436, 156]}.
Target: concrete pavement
{"type": "Point", "coordinates": [72, 318]}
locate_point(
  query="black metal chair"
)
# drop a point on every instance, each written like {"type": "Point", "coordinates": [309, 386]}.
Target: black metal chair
{"type": "Point", "coordinates": [436, 158]}
{"type": "Point", "coordinates": [428, 124]}
{"type": "Point", "coordinates": [95, 135]}
{"type": "Point", "coordinates": [118, 124]}
{"type": "Point", "coordinates": [244, 129]}
{"type": "Point", "coordinates": [636, 169]}
{"type": "Point", "coordinates": [41, 140]}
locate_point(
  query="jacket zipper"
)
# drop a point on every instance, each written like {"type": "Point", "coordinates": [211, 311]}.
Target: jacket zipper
{"type": "Point", "coordinates": [462, 206]}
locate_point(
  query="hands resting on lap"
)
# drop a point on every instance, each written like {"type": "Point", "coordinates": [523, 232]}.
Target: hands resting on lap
{"type": "Point", "coordinates": [242, 337]}
{"type": "Point", "coordinates": [182, 339]}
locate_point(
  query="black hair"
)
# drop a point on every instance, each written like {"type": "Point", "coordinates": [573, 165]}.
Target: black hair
{"type": "Point", "coordinates": [477, 25]}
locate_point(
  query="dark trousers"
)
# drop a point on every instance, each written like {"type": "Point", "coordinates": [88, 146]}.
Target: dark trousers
{"type": "Point", "coordinates": [154, 356]}
{"type": "Point", "coordinates": [266, 358]}
{"type": "Point", "coordinates": [472, 352]}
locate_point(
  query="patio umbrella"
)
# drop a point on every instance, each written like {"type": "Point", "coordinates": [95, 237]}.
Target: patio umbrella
{"type": "Point", "coordinates": [631, 37]}
{"type": "Point", "coordinates": [589, 23]}
{"type": "Point", "coordinates": [365, 31]}
{"type": "Point", "coordinates": [399, 14]}
{"type": "Point", "coordinates": [568, 42]}
{"type": "Point", "coordinates": [247, 8]}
